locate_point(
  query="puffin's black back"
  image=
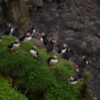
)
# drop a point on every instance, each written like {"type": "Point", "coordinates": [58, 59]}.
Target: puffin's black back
{"type": "Point", "coordinates": [22, 38]}
{"type": "Point", "coordinates": [30, 30]}
{"type": "Point", "coordinates": [68, 54]}
{"type": "Point", "coordinates": [45, 40]}
{"type": "Point", "coordinates": [50, 46]}
{"type": "Point", "coordinates": [82, 64]}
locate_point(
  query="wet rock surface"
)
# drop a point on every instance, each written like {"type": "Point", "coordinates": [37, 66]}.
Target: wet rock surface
{"type": "Point", "coordinates": [76, 22]}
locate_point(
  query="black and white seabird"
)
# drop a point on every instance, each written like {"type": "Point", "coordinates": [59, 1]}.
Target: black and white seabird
{"type": "Point", "coordinates": [79, 64]}
{"type": "Point", "coordinates": [34, 53]}
{"type": "Point", "coordinates": [52, 60]}
{"type": "Point", "coordinates": [32, 30]}
{"type": "Point", "coordinates": [15, 45]}
{"type": "Point", "coordinates": [11, 31]}
{"type": "Point", "coordinates": [63, 49]}
{"type": "Point", "coordinates": [44, 39]}
{"type": "Point", "coordinates": [68, 53]}
{"type": "Point", "coordinates": [50, 46]}
{"type": "Point", "coordinates": [26, 38]}
{"type": "Point", "coordinates": [8, 29]}
{"type": "Point", "coordinates": [82, 63]}
{"type": "Point", "coordinates": [73, 79]}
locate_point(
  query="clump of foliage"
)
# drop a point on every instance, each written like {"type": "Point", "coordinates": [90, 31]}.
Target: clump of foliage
{"type": "Point", "coordinates": [35, 78]}
{"type": "Point", "coordinates": [8, 93]}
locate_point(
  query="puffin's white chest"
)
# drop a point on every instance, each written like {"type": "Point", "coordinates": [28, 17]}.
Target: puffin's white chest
{"type": "Point", "coordinates": [41, 39]}
{"type": "Point", "coordinates": [63, 51]}
{"type": "Point", "coordinates": [33, 53]}
{"type": "Point", "coordinates": [53, 61]}
{"type": "Point", "coordinates": [15, 46]}
{"type": "Point", "coordinates": [11, 30]}
{"type": "Point", "coordinates": [34, 31]}
{"type": "Point", "coordinates": [27, 39]}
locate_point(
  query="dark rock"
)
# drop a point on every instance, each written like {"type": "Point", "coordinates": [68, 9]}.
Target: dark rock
{"type": "Point", "coordinates": [76, 22]}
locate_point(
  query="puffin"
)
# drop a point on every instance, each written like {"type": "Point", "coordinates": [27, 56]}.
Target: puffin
{"type": "Point", "coordinates": [79, 63]}
{"type": "Point", "coordinates": [50, 46]}
{"type": "Point", "coordinates": [15, 45]}
{"type": "Point", "coordinates": [52, 61]}
{"type": "Point", "coordinates": [32, 30]}
{"type": "Point", "coordinates": [26, 38]}
{"type": "Point", "coordinates": [68, 53]}
{"type": "Point", "coordinates": [34, 53]}
{"type": "Point", "coordinates": [44, 39]}
{"type": "Point", "coordinates": [73, 79]}
{"type": "Point", "coordinates": [82, 63]}
{"type": "Point", "coordinates": [63, 49]}
{"type": "Point", "coordinates": [11, 31]}
{"type": "Point", "coordinates": [16, 31]}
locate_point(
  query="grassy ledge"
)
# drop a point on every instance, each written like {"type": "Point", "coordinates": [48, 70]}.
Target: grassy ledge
{"type": "Point", "coordinates": [35, 78]}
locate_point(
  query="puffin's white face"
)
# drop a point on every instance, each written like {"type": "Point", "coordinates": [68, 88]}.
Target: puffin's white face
{"type": "Point", "coordinates": [54, 41]}
{"type": "Point", "coordinates": [28, 34]}
{"type": "Point", "coordinates": [43, 34]}
{"type": "Point", "coordinates": [83, 57]}
{"type": "Point", "coordinates": [65, 45]}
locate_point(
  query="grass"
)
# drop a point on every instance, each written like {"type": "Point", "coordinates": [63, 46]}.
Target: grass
{"type": "Point", "coordinates": [8, 93]}
{"type": "Point", "coordinates": [31, 76]}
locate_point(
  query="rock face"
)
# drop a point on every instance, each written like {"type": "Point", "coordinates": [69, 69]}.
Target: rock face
{"type": "Point", "coordinates": [76, 22]}
{"type": "Point", "coordinates": [1, 18]}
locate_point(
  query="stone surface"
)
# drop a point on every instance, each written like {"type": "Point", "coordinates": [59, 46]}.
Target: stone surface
{"type": "Point", "coordinates": [76, 22]}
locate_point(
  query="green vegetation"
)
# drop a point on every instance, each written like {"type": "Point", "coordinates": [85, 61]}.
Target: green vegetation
{"type": "Point", "coordinates": [8, 93]}
{"type": "Point", "coordinates": [35, 78]}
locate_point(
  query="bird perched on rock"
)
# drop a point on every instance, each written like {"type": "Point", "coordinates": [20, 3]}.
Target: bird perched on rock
{"type": "Point", "coordinates": [13, 46]}
{"type": "Point", "coordinates": [34, 53]}
{"type": "Point", "coordinates": [26, 38]}
{"type": "Point", "coordinates": [50, 46]}
{"type": "Point", "coordinates": [68, 53]}
{"type": "Point", "coordinates": [32, 30]}
{"type": "Point", "coordinates": [81, 62]}
{"type": "Point", "coordinates": [63, 49]}
{"type": "Point", "coordinates": [9, 29]}
{"type": "Point", "coordinates": [52, 61]}
{"type": "Point", "coordinates": [44, 39]}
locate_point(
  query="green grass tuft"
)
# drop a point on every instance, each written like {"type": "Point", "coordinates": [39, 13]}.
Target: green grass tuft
{"type": "Point", "coordinates": [33, 75]}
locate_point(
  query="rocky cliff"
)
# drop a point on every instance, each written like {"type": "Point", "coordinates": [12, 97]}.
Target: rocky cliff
{"type": "Point", "coordinates": [76, 22]}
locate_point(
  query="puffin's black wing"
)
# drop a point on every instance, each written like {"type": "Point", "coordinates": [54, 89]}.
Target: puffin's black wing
{"type": "Point", "coordinates": [59, 51]}
{"type": "Point", "coordinates": [50, 46]}
{"type": "Point", "coordinates": [22, 38]}
{"type": "Point", "coordinates": [45, 40]}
